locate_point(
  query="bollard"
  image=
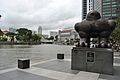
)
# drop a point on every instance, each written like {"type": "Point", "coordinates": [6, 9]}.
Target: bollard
{"type": "Point", "coordinates": [60, 56]}
{"type": "Point", "coordinates": [23, 63]}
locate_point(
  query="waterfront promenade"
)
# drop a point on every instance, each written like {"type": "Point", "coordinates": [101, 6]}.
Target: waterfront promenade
{"type": "Point", "coordinates": [53, 69]}
{"type": "Point", "coordinates": [9, 54]}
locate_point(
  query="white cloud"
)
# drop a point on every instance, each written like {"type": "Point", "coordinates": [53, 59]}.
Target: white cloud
{"type": "Point", "coordinates": [51, 14]}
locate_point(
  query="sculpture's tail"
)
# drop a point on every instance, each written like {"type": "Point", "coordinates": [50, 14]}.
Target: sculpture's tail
{"type": "Point", "coordinates": [112, 24]}
{"type": "Point", "coordinates": [77, 27]}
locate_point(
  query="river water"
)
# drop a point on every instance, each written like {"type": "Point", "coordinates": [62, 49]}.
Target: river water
{"type": "Point", "coordinates": [9, 54]}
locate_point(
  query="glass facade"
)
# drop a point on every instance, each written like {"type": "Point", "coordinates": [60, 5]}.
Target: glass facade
{"type": "Point", "coordinates": [110, 8]}
{"type": "Point", "coordinates": [97, 5]}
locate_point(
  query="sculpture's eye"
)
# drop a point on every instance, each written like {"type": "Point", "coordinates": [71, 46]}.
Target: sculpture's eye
{"type": "Point", "coordinates": [92, 14]}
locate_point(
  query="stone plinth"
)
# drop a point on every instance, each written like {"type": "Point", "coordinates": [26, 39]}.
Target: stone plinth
{"type": "Point", "coordinates": [99, 60]}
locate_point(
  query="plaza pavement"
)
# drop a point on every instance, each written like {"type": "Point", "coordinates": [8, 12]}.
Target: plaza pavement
{"type": "Point", "coordinates": [58, 70]}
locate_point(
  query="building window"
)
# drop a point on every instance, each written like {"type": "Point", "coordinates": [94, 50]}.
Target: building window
{"type": "Point", "coordinates": [114, 15]}
{"type": "Point", "coordinates": [107, 15]}
{"type": "Point", "coordinates": [106, 0]}
{"type": "Point", "coordinates": [114, 5]}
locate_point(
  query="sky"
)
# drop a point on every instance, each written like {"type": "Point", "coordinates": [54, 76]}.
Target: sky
{"type": "Point", "coordinates": [52, 15]}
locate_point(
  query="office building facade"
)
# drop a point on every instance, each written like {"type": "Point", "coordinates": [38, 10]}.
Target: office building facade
{"type": "Point", "coordinates": [97, 5]}
{"type": "Point", "coordinates": [87, 5]}
{"type": "Point", "coordinates": [39, 30]}
{"type": "Point", "coordinates": [90, 5]}
{"type": "Point", "coordinates": [111, 9]}
{"type": "Point", "coordinates": [84, 9]}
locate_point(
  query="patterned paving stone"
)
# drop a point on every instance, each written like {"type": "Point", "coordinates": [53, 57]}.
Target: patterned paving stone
{"type": "Point", "coordinates": [21, 75]}
{"type": "Point", "coordinates": [58, 65]}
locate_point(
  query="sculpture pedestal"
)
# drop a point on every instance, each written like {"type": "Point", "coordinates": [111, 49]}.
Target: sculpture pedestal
{"type": "Point", "coordinates": [99, 60]}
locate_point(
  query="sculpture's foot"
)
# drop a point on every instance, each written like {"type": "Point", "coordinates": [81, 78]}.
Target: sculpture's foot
{"type": "Point", "coordinates": [109, 45]}
{"type": "Point", "coordinates": [103, 45]}
{"type": "Point", "coordinates": [82, 44]}
{"type": "Point", "coordinates": [78, 44]}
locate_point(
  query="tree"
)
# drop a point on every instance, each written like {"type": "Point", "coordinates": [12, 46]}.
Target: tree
{"type": "Point", "coordinates": [11, 35]}
{"type": "Point", "coordinates": [3, 39]}
{"type": "Point", "coordinates": [51, 38]}
{"type": "Point", "coordinates": [23, 34]}
{"type": "Point", "coordinates": [36, 37]}
{"type": "Point", "coordinates": [116, 33]}
{"type": "Point", "coordinates": [1, 34]}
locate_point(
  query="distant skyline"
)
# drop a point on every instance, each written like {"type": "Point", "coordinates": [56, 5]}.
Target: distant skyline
{"type": "Point", "coordinates": [50, 14]}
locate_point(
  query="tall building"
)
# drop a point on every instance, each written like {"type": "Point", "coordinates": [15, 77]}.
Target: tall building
{"type": "Point", "coordinates": [87, 5]}
{"type": "Point", "coordinates": [110, 8]}
{"type": "Point", "coordinates": [12, 30]}
{"type": "Point", "coordinates": [84, 9]}
{"type": "Point", "coordinates": [39, 30]}
{"type": "Point", "coordinates": [90, 4]}
{"type": "Point", "coordinates": [97, 5]}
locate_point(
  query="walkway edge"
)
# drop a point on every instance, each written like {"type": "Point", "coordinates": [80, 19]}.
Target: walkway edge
{"type": "Point", "coordinates": [86, 76]}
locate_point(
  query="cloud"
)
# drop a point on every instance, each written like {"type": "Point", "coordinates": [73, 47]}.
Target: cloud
{"type": "Point", "coordinates": [51, 14]}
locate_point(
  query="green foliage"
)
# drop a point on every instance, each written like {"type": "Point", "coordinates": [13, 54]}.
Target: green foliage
{"type": "Point", "coordinates": [1, 33]}
{"type": "Point", "coordinates": [3, 39]}
{"type": "Point", "coordinates": [51, 38]}
{"type": "Point", "coordinates": [36, 37]}
{"type": "Point", "coordinates": [23, 34]}
{"type": "Point", "coordinates": [116, 33]}
{"type": "Point", "coordinates": [11, 35]}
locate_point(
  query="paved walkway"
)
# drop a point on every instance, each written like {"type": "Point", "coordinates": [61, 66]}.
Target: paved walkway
{"type": "Point", "coordinates": [58, 70]}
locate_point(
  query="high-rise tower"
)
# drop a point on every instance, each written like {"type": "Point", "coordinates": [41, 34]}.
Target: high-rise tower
{"type": "Point", "coordinates": [84, 8]}
{"type": "Point", "coordinates": [39, 30]}
{"type": "Point", "coordinates": [97, 5]}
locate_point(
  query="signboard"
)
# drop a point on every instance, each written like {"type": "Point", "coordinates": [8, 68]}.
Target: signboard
{"type": "Point", "coordinates": [90, 56]}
